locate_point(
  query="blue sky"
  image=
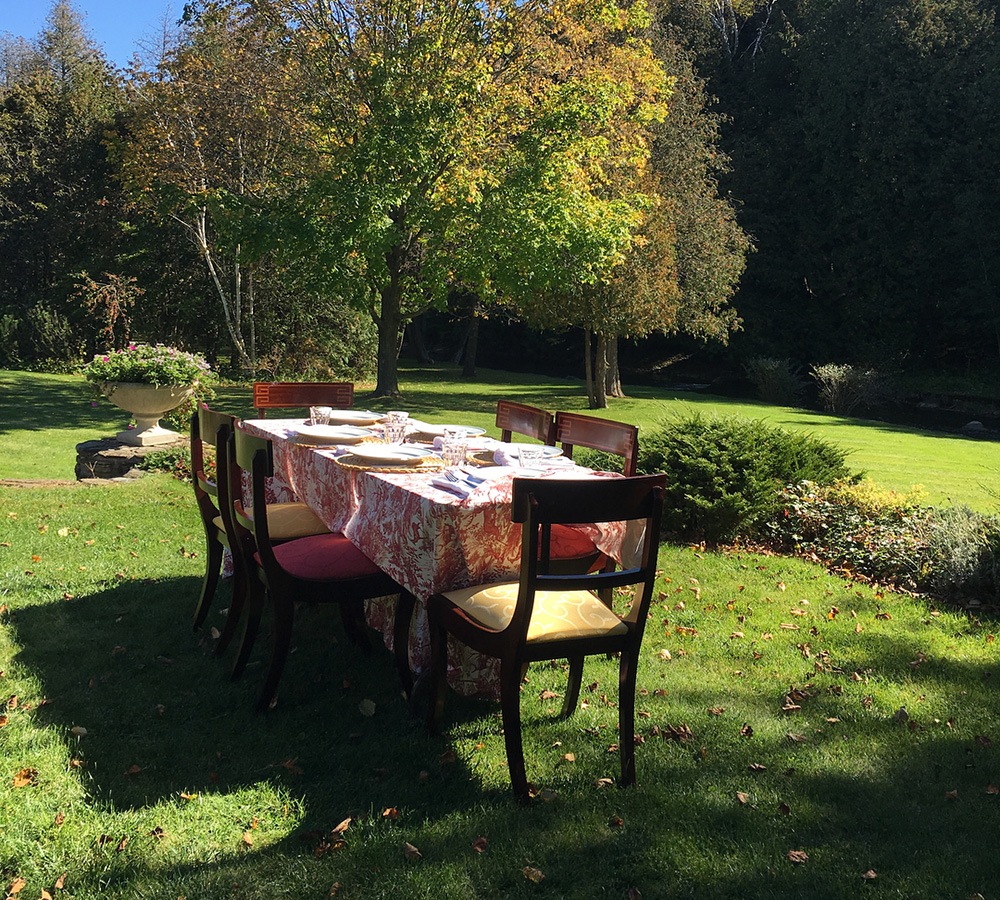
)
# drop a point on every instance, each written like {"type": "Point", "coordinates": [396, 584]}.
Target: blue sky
{"type": "Point", "coordinates": [115, 25]}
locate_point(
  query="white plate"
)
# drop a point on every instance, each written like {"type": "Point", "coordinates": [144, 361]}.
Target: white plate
{"type": "Point", "coordinates": [547, 452]}
{"type": "Point", "coordinates": [438, 430]}
{"type": "Point", "coordinates": [489, 473]}
{"type": "Point", "coordinates": [354, 417]}
{"type": "Point", "coordinates": [332, 434]}
{"type": "Point", "coordinates": [385, 455]}
{"type": "Point", "coordinates": [527, 472]}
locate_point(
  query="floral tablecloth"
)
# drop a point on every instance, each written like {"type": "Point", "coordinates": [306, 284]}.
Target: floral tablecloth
{"type": "Point", "coordinates": [426, 538]}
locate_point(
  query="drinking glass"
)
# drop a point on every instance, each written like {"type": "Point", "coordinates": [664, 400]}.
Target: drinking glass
{"type": "Point", "coordinates": [395, 431]}
{"type": "Point", "coordinates": [320, 415]}
{"type": "Point", "coordinates": [454, 447]}
{"type": "Point", "coordinates": [529, 456]}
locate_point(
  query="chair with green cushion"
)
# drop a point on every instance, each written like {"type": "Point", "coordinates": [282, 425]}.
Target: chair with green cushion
{"type": "Point", "coordinates": [544, 616]}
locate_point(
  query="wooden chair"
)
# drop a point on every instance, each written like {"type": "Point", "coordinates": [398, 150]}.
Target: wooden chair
{"type": "Point", "coordinates": [285, 394]}
{"type": "Point", "coordinates": [318, 568]}
{"type": "Point", "coordinates": [213, 428]}
{"type": "Point", "coordinates": [519, 418]}
{"type": "Point", "coordinates": [575, 430]}
{"type": "Point", "coordinates": [541, 617]}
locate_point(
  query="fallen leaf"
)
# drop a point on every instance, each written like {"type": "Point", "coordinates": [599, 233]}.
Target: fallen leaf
{"type": "Point", "coordinates": [784, 808]}
{"type": "Point", "coordinates": [60, 818]}
{"type": "Point", "coordinates": [121, 844]}
{"type": "Point", "coordinates": [133, 770]}
{"type": "Point", "coordinates": [548, 695]}
{"type": "Point", "coordinates": [367, 707]}
{"type": "Point", "coordinates": [716, 710]}
{"type": "Point", "coordinates": [158, 833]}
{"type": "Point", "coordinates": [25, 777]}
{"type": "Point", "coordinates": [533, 874]}
{"type": "Point", "coordinates": [604, 782]}
{"type": "Point", "coordinates": [951, 795]}
{"type": "Point", "coordinates": [189, 796]}
{"type": "Point", "coordinates": [411, 852]}
{"type": "Point", "coordinates": [796, 738]}
{"type": "Point", "coordinates": [870, 875]}
{"type": "Point", "coordinates": [479, 845]}
{"type": "Point", "coordinates": [290, 767]}
{"type": "Point", "coordinates": [569, 757]}
{"type": "Point", "coordinates": [756, 768]}
{"type": "Point", "coordinates": [743, 799]}
{"type": "Point", "coordinates": [746, 730]}
{"type": "Point", "coordinates": [247, 839]}
{"type": "Point", "coordinates": [615, 821]}
{"type": "Point", "coordinates": [60, 882]}
{"type": "Point", "coordinates": [447, 757]}
{"type": "Point", "coordinates": [992, 789]}
{"type": "Point", "coordinates": [798, 856]}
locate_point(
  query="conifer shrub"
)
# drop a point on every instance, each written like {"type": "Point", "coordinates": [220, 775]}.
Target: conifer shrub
{"type": "Point", "coordinates": [725, 475]}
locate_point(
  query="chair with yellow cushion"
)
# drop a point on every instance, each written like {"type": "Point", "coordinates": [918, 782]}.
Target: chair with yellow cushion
{"type": "Point", "coordinates": [548, 616]}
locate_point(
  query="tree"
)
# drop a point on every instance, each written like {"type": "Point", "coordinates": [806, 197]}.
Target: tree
{"type": "Point", "coordinates": [59, 209]}
{"type": "Point", "coordinates": [460, 145]}
{"type": "Point", "coordinates": [215, 130]}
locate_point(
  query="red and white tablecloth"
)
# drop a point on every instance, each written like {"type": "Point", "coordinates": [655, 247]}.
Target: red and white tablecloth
{"type": "Point", "coordinates": [425, 537]}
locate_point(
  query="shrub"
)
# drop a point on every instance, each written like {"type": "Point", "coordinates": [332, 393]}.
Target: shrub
{"type": "Point", "coordinates": [724, 475]}
{"type": "Point", "coordinates": [776, 380]}
{"type": "Point", "coordinates": [176, 461]}
{"type": "Point", "coordinates": [844, 388]}
{"type": "Point", "coordinates": [890, 537]}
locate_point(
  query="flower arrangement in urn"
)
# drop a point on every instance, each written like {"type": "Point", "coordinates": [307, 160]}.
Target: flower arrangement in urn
{"type": "Point", "coordinates": [148, 381]}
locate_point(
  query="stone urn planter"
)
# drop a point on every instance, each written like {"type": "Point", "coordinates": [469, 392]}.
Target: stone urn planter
{"type": "Point", "coordinates": [146, 403]}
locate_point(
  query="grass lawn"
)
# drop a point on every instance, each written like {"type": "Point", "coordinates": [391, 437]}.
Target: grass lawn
{"type": "Point", "coordinates": [781, 709]}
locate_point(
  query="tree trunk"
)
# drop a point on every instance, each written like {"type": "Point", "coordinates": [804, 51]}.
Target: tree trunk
{"type": "Point", "coordinates": [600, 373]}
{"type": "Point", "coordinates": [588, 368]}
{"type": "Point", "coordinates": [389, 322]}
{"type": "Point", "coordinates": [471, 345]}
{"type": "Point", "coordinates": [613, 378]}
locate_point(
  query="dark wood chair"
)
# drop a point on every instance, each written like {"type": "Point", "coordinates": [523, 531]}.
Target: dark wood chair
{"type": "Point", "coordinates": [287, 394]}
{"type": "Point", "coordinates": [519, 418]}
{"type": "Point", "coordinates": [542, 617]}
{"type": "Point", "coordinates": [618, 438]}
{"type": "Point", "coordinates": [212, 428]}
{"type": "Point", "coordinates": [314, 569]}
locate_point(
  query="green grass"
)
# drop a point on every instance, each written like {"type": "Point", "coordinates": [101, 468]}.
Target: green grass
{"type": "Point", "coordinates": [100, 583]}
{"type": "Point", "coordinates": [57, 412]}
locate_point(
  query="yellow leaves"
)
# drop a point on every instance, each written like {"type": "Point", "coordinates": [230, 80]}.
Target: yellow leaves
{"type": "Point", "coordinates": [25, 777]}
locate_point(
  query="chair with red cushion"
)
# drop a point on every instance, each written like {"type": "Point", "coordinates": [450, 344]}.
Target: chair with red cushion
{"type": "Point", "coordinates": [542, 616]}
{"type": "Point", "coordinates": [519, 418]}
{"type": "Point", "coordinates": [287, 394]}
{"type": "Point", "coordinates": [618, 438]}
{"type": "Point", "coordinates": [318, 568]}
{"type": "Point", "coordinates": [212, 428]}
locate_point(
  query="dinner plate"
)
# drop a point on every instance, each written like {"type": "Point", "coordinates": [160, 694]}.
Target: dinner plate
{"type": "Point", "coordinates": [354, 417]}
{"type": "Point", "coordinates": [386, 455]}
{"type": "Point", "coordinates": [489, 473]}
{"type": "Point", "coordinates": [332, 434]}
{"type": "Point", "coordinates": [438, 430]}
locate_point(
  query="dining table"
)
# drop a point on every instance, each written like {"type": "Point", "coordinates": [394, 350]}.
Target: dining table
{"type": "Point", "coordinates": [426, 531]}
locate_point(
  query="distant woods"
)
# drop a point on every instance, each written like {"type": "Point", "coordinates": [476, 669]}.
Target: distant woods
{"type": "Point", "coordinates": [301, 189]}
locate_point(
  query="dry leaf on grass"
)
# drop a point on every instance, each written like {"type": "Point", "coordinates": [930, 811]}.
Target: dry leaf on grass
{"type": "Point", "coordinates": [798, 856]}
{"type": "Point", "coordinates": [411, 852]}
{"type": "Point", "coordinates": [25, 777]}
{"type": "Point", "coordinates": [479, 845]}
{"type": "Point", "coordinates": [870, 875]}
{"type": "Point", "coordinates": [17, 885]}
{"type": "Point", "coordinates": [533, 874]}
{"type": "Point", "coordinates": [743, 799]}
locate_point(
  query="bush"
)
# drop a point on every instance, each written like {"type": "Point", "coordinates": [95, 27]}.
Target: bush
{"type": "Point", "coordinates": [724, 475]}
{"type": "Point", "coordinates": [776, 380]}
{"type": "Point", "coordinates": [891, 538]}
{"type": "Point", "coordinates": [176, 461]}
{"type": "Point", "coordinates": [844, 388]}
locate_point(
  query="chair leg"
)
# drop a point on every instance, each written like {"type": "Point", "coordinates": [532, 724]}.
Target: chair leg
{"type": "Point", "coordinates": [510, 702]}
{"type": "Point", "coordinates": [236, 604]}
{"type": "Point", "coordinates": [626, 714]}
{"type": "Point", "coordinates": [401, 639]}
{"type": "Point", "coordinates": [573, 686]}
{"type": "Point", "coordinates": [213, 565]}
{"type": "Point", "coordinates": [438, 676]}
{"type": "Point", "coordinates": [284, 612]}
{"type": "Point", "coordinates": [255, 597]}
{"type": "Point", "coordinates": [352, 615]}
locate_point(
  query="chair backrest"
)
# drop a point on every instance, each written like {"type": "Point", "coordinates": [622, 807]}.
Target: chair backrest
{"type": "Point", "coordinates": [250, 453]}
{"type": "Point", "coordinates": [619, 438]}
{"type": "Point", "coordinates": [538, 504]}
{"type": "Point", "coordinates": [212, 428]}
{"type": "Point", "coordinates": [283, 394]}
{"type": "Point", "coordinates": [519, 418]}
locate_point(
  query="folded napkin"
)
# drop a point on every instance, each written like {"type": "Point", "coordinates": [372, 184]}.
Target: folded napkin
{"type": "Point", "coordinates": [461, 488]}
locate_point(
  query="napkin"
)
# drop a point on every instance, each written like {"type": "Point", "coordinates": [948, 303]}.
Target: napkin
{"type": "Point", "coordinates": [462, 488]}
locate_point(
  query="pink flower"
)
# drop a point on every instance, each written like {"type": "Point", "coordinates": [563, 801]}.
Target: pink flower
{"type": "Point", "coordinates": [106, 358]}
{"type": "Point", "coordinates": [93, 403]}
